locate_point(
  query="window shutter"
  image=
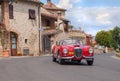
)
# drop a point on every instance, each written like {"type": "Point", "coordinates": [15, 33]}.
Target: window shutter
{"type": "Point", "coordinates": [32, 14]}
{"type": "Point", "coordinates": [11, 11]}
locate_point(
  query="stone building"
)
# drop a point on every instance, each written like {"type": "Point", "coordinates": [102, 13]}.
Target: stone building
{"type": "Point", "coordinates": [22, 20]}
{"type": "Point", "coordinates": [33, 27]}
{"type": "Point", "coordinates": [53, 20]}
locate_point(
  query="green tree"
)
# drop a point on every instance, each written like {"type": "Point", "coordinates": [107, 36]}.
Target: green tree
{"type": "Point", "coordinates": [116, 34]}
{"type": "Point", "coordinates": [112, 43]}
{"type": "Point", "coordinates": [103, 38]}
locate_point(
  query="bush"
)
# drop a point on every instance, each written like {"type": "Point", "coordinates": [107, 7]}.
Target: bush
{"type": "Point", "coordinates": [117, 50]}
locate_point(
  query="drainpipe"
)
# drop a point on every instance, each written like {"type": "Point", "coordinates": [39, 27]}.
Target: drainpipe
{"type": "Point", "coordinates": [40, 27]}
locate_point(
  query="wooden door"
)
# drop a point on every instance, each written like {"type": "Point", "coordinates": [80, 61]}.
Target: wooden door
{"type": "Point", "coordinates": [46, 43]}
{"type": "Point", "coordinates": [13, 40]}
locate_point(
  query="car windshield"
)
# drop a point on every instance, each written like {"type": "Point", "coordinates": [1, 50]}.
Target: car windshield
{"type": "Point", "coordinates": [71, 42]}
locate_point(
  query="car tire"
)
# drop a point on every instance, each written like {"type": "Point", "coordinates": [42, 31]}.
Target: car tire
{"type": "Point", "coordinates": [79, 61]}
{"type": "Point", "coordinates": [53, 59]}
{"type": "Point", "coordinates": [60, 60]}
{"type": "Point", "coordinates": [90, 62]}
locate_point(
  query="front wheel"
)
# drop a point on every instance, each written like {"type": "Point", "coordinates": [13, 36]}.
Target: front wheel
{"type": "Point", "coordinates": [90, 62]}
{"type": "Point", "coordinates": [53, 59]}
{"type": "Point", "coordinates": [79, 61]}
{"type": "Point", "coordinates": [60, 60]}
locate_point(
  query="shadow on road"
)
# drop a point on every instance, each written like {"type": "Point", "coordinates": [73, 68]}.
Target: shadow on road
{"type": "Point", "coordinates": [74, 63]}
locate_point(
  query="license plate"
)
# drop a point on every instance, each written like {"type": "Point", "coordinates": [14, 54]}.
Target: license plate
{"type": "Point", "coordinates": [71, 53]}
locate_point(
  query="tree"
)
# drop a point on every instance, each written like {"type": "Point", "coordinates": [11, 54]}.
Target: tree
{"type": "Point", "coordinates": [113, 43]}
{"type": "Point", "coordinates": [116, 34]}
{"type": "Point", "coordinates": [103, 38]}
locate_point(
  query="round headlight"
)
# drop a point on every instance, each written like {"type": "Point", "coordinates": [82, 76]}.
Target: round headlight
{"type": "Point", "coordinates": [65, 51]}
{"type": "Point", "coordinates": [90, 50]}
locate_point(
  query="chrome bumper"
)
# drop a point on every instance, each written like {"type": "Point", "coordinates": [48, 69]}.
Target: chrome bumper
{"type": "Point", "coordinates": [68, 57]}
{"type": "Point", "coordinates": [89, 58]}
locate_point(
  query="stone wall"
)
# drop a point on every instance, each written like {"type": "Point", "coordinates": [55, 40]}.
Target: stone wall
{"type": "Point", "coordinates": [1, 49]}
{"type": "Point", "coordinates": [25, 28]}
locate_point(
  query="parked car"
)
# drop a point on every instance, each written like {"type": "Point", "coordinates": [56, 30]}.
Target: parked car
{"type": "Point", "coordinates": [72, 50]}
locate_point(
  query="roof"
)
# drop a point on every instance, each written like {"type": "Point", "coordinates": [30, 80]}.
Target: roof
{"type": "Point", "coordinates": [33, 1]}
{"type": "Point", "coordinates": [77, 31]}
{"type": "Point", "coordinates": [50, 32]}
{"type": "Point", "coordinates": [49, 15]}
{"type": "Point", "coordinates": [53, 16]}
{"type": "Point", "coordinates": [46, 13]}
{"type": "Point", "coordinates": [51, 6]}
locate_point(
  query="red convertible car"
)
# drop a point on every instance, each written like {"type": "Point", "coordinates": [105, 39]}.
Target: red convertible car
{"type": "Point", "coordinates": [72, 50]}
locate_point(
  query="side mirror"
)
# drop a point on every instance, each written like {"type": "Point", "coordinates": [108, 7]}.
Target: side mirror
{"type": "Point", "coordinates": [57, 43]}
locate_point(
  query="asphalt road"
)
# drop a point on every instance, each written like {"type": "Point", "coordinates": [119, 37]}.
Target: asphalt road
{"type": "Point", "coordinates": [105, 68]}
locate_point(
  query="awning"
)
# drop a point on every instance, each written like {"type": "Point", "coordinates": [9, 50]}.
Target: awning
{"type": "Point", "coordinates": [51, 32]}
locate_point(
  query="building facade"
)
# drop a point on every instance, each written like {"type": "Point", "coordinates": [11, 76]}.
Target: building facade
{"type": "Point", "coordinates": [22, 21]}
{"type": "Point", "coordinates": [32, 27]}
{"type": "Point", "coordinates": [53, 21]}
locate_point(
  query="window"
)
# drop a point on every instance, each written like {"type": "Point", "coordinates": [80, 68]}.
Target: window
{"type": "Point", "coordinates": [11, 11]}
{"type": "Point", "coordinates": [47, 22]}
{"type": "Point", "coordinates": [26, 41]}
{"type": "Point", "coordinates": [32, 14]}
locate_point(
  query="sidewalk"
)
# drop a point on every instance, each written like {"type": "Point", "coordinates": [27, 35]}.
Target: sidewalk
{"type": "Point", "coordinates": [23, 56]}
{"type": "Point", "coordinates": [118, 55]}
{"type": "Point", "coordinates": [10, 57]}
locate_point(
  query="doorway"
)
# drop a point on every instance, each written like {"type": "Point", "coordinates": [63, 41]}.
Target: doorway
{"type": "Point", "coordinates": [46, 44]}
{"type": "Point", "coordinates": [13, 40]}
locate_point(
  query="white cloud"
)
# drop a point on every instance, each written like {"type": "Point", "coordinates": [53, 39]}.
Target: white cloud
{"type": "Point", "coordinates": [93, 19]}
{"type": "Point", "coordinates": [67, 4]}
{"type": "Point", "coordinates": [103, 18]}
{"type": "Point", "coordinates": [75, 1]}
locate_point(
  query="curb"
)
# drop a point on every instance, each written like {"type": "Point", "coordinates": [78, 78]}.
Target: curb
{"type": "Point", "coordinates": [115, 57]}
{"type": "Point", "coordinates": [10, 57]}
{"type": "Point", "coordinates": [118, 55]}
{"type": "Point", "coordinates": [47, 55]}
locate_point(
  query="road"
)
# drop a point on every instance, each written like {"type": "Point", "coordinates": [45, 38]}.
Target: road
{"type": "Point", "coordinates": [105, 68]}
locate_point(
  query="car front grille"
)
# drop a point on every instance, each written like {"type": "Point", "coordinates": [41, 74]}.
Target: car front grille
{"type": "Point", "coordinates": [78, 52]}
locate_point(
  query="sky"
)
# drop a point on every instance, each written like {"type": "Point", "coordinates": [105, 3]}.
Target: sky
{"type": "Point", "coordinates": [91, 16]}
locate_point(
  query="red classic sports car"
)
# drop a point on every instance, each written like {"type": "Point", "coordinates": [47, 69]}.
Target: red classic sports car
{"type": "Point", "coordinates": [72, 50]}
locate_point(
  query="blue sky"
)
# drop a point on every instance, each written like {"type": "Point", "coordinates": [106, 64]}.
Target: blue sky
{"type": "Point", "coordinates": [91, 15]}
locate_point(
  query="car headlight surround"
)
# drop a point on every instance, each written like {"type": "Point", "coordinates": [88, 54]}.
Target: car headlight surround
{"type": "Point", "coordinates": [90, 50]}
{"type": "Point", "coordinates": [65, 51]}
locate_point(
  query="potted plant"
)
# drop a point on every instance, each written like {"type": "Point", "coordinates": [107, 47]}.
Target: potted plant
{"type": "Point", "coordinates": [4, 41]}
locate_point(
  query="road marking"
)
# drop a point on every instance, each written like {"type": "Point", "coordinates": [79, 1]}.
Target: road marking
{"type": "Point", "coordinates": [115, 57]}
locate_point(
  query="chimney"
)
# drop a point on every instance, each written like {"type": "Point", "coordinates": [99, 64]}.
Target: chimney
{"type": "Point", "coordinates": [48, 1]}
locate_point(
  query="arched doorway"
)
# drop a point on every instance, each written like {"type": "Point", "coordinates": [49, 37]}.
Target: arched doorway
{"type": "Point", "coordinates": [13, 41]}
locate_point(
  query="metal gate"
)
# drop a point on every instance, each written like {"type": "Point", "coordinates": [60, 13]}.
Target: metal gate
{"type": "Point", "coordinates": [46, 44]}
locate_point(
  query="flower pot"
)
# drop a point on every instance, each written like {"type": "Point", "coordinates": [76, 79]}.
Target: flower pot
{"type": "Point", "coordinates": [6, 53]}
